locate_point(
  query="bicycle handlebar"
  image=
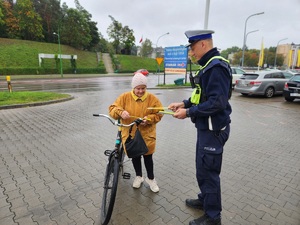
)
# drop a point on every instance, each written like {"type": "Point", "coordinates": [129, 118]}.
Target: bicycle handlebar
{"type": "Point", "coordinates": [116, 123]}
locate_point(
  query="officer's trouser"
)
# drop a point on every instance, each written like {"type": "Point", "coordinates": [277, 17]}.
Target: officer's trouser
{"type": "Point", "coordinates": [208, 165]}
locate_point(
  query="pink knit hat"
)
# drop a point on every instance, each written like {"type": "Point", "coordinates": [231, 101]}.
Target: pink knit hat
{"type": "Point", "coordinates": [138, 79]}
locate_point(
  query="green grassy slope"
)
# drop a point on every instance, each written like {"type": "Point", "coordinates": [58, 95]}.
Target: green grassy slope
{"type": "Point", "coordinates": [20, 55]}
{"type": "Point", "coordinates": [130, 63]}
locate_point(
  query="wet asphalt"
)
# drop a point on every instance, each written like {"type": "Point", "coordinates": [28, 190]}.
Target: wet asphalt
{"type": "Point", "coordinates": [52, 162]}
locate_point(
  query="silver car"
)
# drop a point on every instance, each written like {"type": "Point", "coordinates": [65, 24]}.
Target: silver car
{"type": "Point", "coordinates": [267, 83]}
{"type": "Point", "coordinates": [236, 74]}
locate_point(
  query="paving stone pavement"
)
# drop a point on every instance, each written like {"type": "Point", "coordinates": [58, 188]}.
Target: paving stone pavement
{"type": "Point", "coordinates": [52, 165]}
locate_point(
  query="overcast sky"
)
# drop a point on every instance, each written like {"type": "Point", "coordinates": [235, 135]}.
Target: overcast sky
{"type": "Point", "coordinates": [152, 18]}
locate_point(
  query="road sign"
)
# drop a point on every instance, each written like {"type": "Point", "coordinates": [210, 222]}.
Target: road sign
{"type": "Point", "coordinates": [176, 59]}
{"type": "Point", "coordinates": [159, 60]}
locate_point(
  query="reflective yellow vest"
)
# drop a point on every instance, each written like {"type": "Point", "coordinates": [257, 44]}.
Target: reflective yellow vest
{"type": "Point", "coordinates": [196, 94]}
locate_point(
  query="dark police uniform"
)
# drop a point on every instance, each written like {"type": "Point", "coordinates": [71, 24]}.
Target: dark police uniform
{"type": "Point", "coordinates": [212, 120]}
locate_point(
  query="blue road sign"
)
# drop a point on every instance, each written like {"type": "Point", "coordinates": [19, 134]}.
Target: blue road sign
{"type": "Point", "coordinates": [176, 59]}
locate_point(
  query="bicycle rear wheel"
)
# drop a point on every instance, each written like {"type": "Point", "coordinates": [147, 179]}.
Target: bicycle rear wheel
{"type": "Point", "coordinates": [110, 189]}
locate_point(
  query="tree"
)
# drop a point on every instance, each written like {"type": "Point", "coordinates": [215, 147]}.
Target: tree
{"type": "Point", "coordinates": [30, 22]}
{"type": "Point", "coordinates": [237, 57]}
{"type": "Point", "coordinates": [279, 60]}
{"type": "Point", "coordinates": [225, 53]}
{"type": "Point", "coordinates": [272, 49]}
{"type": "Point", "coordinates": [1, 13]}
{"type": "Point", "coordinates": [114, 32]}
{"type": "Point", "coordinates": [11, 26]}
{"type": "Point", "coordinates": [270, 58]}
{"type": "Point", "coordinates": [252, 58]}
{"type": "Point", "coordinates": [2, 20]}
{"type": "Point", "coordinates": [51, 14]}
{"type": "Point", "coordinates": [146, 48]}
{"type": "Point", "coordinates": [95, 36]}
{"type": "Point", "coordinates": [93, 30]}
{"type": "Point", "coordinates": [127, 39]}
{"type": "Point", "coordinates": [74, 29]}
{"type": "Point", "coordinates": [102, 45]}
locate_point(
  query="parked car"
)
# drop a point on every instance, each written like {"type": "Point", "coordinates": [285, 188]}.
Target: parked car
{"type": "Point", "coordinates": [143, 71]}
{"type": "Point", "coordinates": [267, 83]}
{"type": "Point", "coordinates": [291, 89]}
{"type": "Point", "coordinates": [288, 74]}
{"type": "Point", "coordinates": [294, 71]}
{"type": "Point", "coordinates": [236, 74]}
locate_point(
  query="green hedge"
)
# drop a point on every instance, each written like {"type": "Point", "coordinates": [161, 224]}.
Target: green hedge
{"type": "Point", "coordinates": [18, 71]}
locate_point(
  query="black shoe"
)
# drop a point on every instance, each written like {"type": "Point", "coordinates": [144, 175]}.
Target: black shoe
{"type": "Point", "coordinates": [194, 203]}
{"type": "Point", "coordinates": [205, 220]}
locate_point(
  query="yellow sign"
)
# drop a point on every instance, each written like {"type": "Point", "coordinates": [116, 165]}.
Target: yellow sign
{"type": "Point", "coordinates": [7, 78]}
{"type": "Point", "coordinates": [298, 61]}
{"type": "Point", "coordinates": [159, 60]}
{"type": "Point", "coordinates": [175, 70]}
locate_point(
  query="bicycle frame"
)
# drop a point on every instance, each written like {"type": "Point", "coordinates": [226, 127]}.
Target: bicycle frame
{"type": "Point", "coordinates": [118, 152]}
{"type": "Point", "coordinates": [115, 163]}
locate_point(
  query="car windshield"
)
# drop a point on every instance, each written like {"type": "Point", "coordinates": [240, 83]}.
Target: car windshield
{"type": "Point", "coordinates": [296, 78]}
{"type": "Point", "coordinates": [287, 75]}
{"type": "Point", "coordinates": [247, 76]}
{"type": "Point", "coordinates": [239, 71]}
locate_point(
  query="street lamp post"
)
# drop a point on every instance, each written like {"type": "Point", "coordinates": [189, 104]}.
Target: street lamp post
{"type": "Point", "coordinates": [244, 42]}
{"type": "Point", "coordinates": [157, 69]}
{"type": "Point", "coordinates": [156, 47]}
{"type": "Point", "coordinates": [276, 51]}
{"type": "Point", "coordinates": [59, 50]}
{"type": "Point", "coordinates": [206, 14]}
{"type": "Point", "coordinates": [250, 33]}
{"type": "Point", "coordinates": [157, 42]}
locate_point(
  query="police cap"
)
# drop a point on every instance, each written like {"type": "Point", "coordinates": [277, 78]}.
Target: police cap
{"type": "Point", "coordinates": [197, 35]}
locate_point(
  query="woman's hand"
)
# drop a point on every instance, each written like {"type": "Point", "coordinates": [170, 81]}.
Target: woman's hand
{"type": "Point", "coordinates": [145, 121]}
{"type": "Point", "coordinates": [125, 115]}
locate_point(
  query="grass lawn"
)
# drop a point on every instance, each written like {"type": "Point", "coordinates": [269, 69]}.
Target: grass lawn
{"type": "Point", "coordinates": [25, 97]}
{"type": "Point", "coordinates": [21, 57]}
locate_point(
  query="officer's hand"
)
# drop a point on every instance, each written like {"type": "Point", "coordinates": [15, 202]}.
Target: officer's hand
{"type": "Point", "coordinates": [175, 106]}
{"type": "Point", "coordinates": [180, 114]}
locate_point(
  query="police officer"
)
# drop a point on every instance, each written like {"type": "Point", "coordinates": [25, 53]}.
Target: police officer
{"type": "Point", "coordinates": [209, 109]}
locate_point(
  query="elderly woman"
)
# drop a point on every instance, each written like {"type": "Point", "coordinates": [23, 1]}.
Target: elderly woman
{"type": "Point", "coordinates": [130, 105]}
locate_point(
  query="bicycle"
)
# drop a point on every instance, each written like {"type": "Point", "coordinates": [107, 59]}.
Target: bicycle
{"type": "Point", "coordinates": [114, 165]}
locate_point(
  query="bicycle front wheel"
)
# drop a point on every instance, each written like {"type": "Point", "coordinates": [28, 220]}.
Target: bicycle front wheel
{"type": "Point", "coordinates": [110, 189]}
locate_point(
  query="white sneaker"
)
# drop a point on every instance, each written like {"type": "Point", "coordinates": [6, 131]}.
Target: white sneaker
{"type": "Point", "coordinates": [152, 184]}
{"type": "Point", "coordinates": [137, 182]}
